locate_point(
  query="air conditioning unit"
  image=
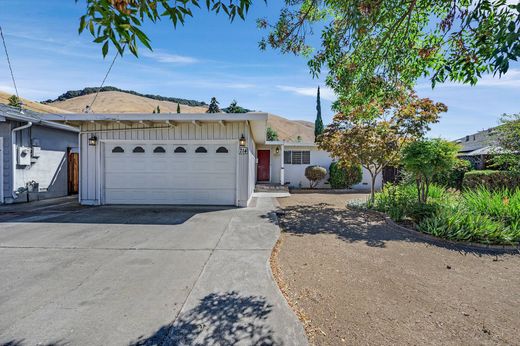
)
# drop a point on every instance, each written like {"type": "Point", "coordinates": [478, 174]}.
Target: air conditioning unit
{"type": "Point", "coordinates": [24, 156]}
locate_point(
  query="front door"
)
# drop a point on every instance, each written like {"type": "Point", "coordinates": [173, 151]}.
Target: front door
{"type": "Point", "coordinates": [262, 169]}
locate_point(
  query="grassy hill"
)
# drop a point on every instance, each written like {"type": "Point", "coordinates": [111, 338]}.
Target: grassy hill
{"type": "Point", "coordinates": [33, 106]}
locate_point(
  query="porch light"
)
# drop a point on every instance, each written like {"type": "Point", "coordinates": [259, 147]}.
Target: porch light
{"type": "Point", "coordinates": [277, 150]}
{"type": "Point", "coordinates": [242, 141]}
{"type": "Point", "coordinates": [92, 140]}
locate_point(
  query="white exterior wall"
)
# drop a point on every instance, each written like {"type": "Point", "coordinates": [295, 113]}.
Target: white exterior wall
{"type": "Point", "coordinates": [91, 158]}
{"type": "Point", "coordinates": [295, 174]}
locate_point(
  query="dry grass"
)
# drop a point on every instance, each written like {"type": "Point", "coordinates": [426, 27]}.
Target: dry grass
{"type": "Point", "coordinates": [33, 106]}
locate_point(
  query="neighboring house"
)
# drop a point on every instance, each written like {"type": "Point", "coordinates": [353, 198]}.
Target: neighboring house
{"type": "Point", "coordinates": [478, 148]}
{"type": "Point", "coordinates": [35, 156]}
{"type": "Point", "coordinates": [211, 159]}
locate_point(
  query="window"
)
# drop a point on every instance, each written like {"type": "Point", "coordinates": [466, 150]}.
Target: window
{"type": "Point", "coordinates": [118, 150]}
{"type": "Point", "coordinates": [293, 157]}
{"type": "Point", "coordinates": [179, 150]}
{"type": "Point", "coordinates": [222, 150]}
{"type": "Point", "coordinates": [201, 150]}
{"type": "Point", "coordinates": [159, 150]}
{"type": "Point", "coordinates": [138, 150]}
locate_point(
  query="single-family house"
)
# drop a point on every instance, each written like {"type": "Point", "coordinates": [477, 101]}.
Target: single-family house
{"type": "Point", "coordinates": [479, 148]}
{"type": "Point", "coordinates": [39, 157]}
{"type": "Point", "coordinates": [211, 159]}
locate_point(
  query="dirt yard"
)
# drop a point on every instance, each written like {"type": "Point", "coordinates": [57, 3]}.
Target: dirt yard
{"type": "Point", "coordinates": [356, 281]}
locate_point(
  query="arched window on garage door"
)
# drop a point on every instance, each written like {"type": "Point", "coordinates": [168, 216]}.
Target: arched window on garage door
{"type": "Point", "coordinates": [222, 150]}
{"type": "Point", "coordinates": [201, 150]}
{"type": "Point", "coordinates": [159, 150]}
{"type": "Point", "coordinates": [118, 150]}
{"type": "Point", "coordinates": [179, 150]}
{"type": "Point", "coordinates": [138, 150]}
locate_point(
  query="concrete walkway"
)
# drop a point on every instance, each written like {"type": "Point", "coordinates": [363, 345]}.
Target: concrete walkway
{"type": "Point", "coordinates": [143, 276]}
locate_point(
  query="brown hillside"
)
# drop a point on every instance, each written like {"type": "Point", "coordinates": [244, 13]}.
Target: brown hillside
{"type": "Point", "coordinates": [33, 106]}
{"type": "Point", "coordinates": [289, 130]}
{"type": "Point", "coordinates": [119, 102]}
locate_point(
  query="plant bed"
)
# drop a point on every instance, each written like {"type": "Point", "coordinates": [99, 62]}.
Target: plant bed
{"type": "Point", "coordinates": [473, 216]}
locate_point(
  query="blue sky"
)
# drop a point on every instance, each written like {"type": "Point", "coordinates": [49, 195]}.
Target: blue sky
{"type": "Point", "coordinates": [207, 57]}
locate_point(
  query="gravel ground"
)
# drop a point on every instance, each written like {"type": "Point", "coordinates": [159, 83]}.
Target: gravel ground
{"type": "Point", "coordinates": [354, 280]}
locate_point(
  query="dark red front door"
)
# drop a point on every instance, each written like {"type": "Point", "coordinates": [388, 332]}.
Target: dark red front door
{"type": "Point", "coordinates": [262, 169]}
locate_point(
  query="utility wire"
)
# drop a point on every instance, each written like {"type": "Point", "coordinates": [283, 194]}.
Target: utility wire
{"type": "Point", "coordinates": [104, 80]}
{"type": "Point", "coordinates": [9, 62]}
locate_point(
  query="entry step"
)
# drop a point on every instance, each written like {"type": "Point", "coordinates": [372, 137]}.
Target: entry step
{"type": "Point", "coordinates": [271, 188]}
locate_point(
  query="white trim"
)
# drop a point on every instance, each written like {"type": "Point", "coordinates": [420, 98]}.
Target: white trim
{"type": "Point", "coordinates": [176, 141]}
{"type": "Point", "coordinates": [187, 117]}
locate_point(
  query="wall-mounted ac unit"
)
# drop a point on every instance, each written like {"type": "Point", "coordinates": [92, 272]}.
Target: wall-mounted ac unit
{"type": "Point", "coordinates": [24, 156]}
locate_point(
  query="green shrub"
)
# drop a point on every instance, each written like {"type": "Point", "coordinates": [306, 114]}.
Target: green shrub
{"type": "Point", "coordinates": [315, 174]}
{"type": "Point", "coordinates": [455, 176]}
{"type": "Point", "coordinates": [491, 179]}
{"type": "Point", "coordinates": [344, 176]}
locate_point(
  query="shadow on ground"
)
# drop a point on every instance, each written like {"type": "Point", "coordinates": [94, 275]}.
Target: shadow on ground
{"type": "Point", "coordinates": [354, 225]}
{"type": "Point", "coordinates": [21, 342]}
{"type": "Point", "coordinates": [219, 319]}
{"type": "Point", "coordinates": [132, 215]}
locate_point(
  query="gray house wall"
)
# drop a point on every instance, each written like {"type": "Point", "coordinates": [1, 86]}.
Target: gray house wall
{"type": "Point", "coordinates": [49, 170]}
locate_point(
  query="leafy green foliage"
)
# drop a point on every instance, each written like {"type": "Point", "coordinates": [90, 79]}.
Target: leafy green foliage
{"type": "Point", "coordinates": [14, 101]}
{"type": "Point", "coordinates": [178, 108]}
{"type": "Point", "coordinates": [508, 141]}
{"type": "Point", "coordinates": [272, 135]}
{"type": "Point", "coordinates": [213, 106]}
{"type": "Point", "coordinates": [343, 176]}
{"type": "Point", "coordinates": [315, 174]}
{"type": "Point", "coordinates": [235, 108]}
{"type": "Point", "coordinates": [426, 158]}
{"type": "Point", "coordinates": [118, 23]}
{"type": "Point", "coordinates": [318, 124]}
{"type": "Point", "coordinates": [92, 90]}
{"type": "Point", "coordinates": [370, 47]}
{"type": "Point", "coordinates": [454, 177]}
{"type": "Point", "coordinates": [478, 215]}
{"type": "Point", "coordinates": [492, 180]}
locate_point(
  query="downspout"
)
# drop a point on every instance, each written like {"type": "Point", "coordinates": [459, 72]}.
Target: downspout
{"type": "Point", "coordinates": [13, 144]}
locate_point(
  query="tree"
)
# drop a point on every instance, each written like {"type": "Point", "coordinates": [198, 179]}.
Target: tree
{"type": "Point", "coordinates": [375, 142]}
{"type": "Point", "coordinates": [426, 158]}
{"type": "Point", "coordinates": [15, 101]}
{"type": "Point", "coordinates": [213, 106]}
{"type": "Point", "coordinates": [365, 42]}
{"type": "Point", "coordinates": [318, 124]}
{"type": "Point", "coordinates": [344, 175]}
{"type": "Point", "coordinates": [235, 108]}
{"type": "Point", "coordinates": [119, 22]}
{"type": "Point", "coordinates": [272, 135]}
{"type": "Point", "coordinates": [158, 109]}
{"type": "Point", "coordinates": [508, 141]}
{"type": "Point", "coordinates": [178, 108]}
{"type": "Point", "coordinates": [315, 174]}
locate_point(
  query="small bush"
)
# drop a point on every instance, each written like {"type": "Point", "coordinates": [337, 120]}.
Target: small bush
{"type": "Point", "coordinates": [455, 176]}
{"type": "Point", "coordinates": [492, 180]}
{"type": "Point", "coordinates": [315, 174]}
{"type": "Point", "coordinates": [344, 176]}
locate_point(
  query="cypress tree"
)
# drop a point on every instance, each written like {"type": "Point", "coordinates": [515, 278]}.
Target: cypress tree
{"type": "Point", "coordinates": [178, 108]}
{"type": "Point", "coordinates": [318, 124]}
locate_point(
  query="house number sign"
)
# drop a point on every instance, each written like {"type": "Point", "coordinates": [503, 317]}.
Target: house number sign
{"type": "Point", "coordinates": [243, 151]}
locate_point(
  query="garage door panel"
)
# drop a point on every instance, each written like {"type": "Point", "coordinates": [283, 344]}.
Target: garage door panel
{"type": "Point", "coordinates": [169, 177]}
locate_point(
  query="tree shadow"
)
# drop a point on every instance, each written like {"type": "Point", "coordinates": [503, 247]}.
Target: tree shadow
{"type": "Point", "coordinates": [219, 319]}
{"type": "Point", "coordinates": [21, 342]}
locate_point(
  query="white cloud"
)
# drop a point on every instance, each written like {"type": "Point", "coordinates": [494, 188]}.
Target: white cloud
{"type": "Point", "coordinates": [326, 93]}
{"type": "Point", "coordinates": [170, 58]}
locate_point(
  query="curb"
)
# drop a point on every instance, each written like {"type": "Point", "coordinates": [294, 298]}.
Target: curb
{"type": "Point", "coordinates": [449, 243]}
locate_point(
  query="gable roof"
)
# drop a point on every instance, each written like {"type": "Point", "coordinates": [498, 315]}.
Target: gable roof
{"type": "Point", "coordinates": [477, 141]}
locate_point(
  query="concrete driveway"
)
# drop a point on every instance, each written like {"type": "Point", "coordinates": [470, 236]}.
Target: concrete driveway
{"type": "Point", "coordinates": [141, 276]}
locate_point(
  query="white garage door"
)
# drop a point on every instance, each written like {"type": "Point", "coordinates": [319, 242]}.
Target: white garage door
{"type": "Point", "coordinates": [158, 173]}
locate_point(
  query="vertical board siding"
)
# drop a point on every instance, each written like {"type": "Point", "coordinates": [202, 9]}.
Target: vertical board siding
{"type": "Point", "coordinates": [91, 157]}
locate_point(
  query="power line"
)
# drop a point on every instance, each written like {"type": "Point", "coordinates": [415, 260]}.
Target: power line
{"type": "Point", "coordinates": [9, 62]}
{"type": "Point", "coordinates": [104, 80]}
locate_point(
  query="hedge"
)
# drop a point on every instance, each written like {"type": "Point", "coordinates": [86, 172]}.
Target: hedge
{"type": "Point", "coordinates": [491, 179]}
{"type": "Point", "coordinates": [344, 177]}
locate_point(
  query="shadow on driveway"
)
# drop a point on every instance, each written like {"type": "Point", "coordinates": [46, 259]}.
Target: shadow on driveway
{"type": "Point", "coordinates": [219, 319]}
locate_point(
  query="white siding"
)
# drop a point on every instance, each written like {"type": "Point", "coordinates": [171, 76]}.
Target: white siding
{"type": "Point", "coordinates": [91, 165]}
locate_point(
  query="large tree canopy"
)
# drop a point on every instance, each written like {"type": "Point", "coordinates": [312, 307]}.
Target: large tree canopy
{"type": "Point", "coordinates": [368, 46]}
{"type": "Point", "coordinates": [119, 22]}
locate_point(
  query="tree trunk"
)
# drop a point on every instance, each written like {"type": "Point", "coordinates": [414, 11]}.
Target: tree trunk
{"type": "Point", "coordinates": [372, 187]}
{"type": "Point", "coordinates": [418, 183]}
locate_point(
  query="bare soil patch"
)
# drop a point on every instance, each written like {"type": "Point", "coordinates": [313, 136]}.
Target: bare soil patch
{"type": "Point", "coordinates": [355, 280]}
